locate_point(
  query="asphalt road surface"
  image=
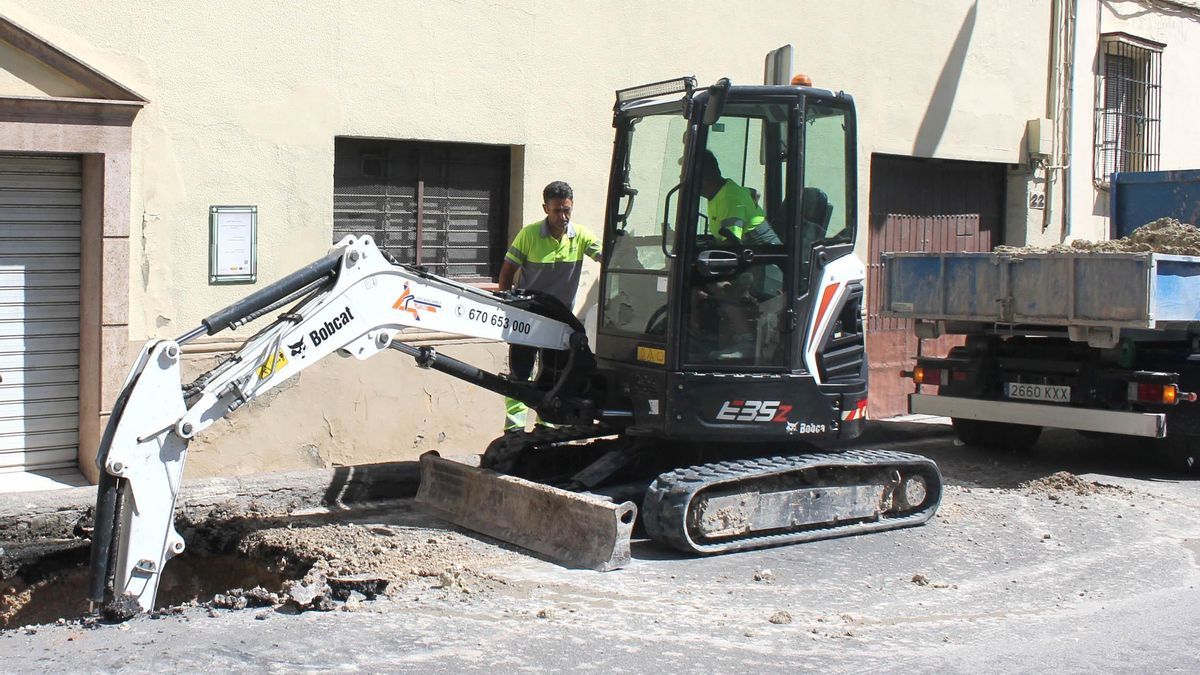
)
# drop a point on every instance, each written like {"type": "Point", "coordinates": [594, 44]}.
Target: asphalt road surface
{"type": "Point", "coordinates": [1024, 569]}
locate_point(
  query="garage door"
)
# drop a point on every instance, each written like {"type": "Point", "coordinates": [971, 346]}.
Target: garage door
{"type": "Point", "coordinates": [39, 312]}
{"type": "Point", "coordinates": [921, 205]}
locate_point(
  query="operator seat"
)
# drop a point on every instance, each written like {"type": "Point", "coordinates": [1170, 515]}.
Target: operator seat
{"type": "Point", "coordinates": [815, 214]}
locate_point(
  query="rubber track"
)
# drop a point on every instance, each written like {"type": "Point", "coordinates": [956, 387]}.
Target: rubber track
{"type": "Point", "coordinates": [664, 510]}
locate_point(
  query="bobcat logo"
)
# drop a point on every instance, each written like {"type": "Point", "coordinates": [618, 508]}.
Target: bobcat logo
{"type": "Point", "coordinates": [792, 427]}
{"type": "Point", "coordinates": [298, 348]}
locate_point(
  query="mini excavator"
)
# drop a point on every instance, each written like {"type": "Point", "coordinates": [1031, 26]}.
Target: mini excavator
{"type": "Point", "coordinates": [725, 354]}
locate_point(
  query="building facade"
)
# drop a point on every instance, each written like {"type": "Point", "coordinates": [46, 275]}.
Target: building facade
{"type": "Point", "coordinates": [128, 129]}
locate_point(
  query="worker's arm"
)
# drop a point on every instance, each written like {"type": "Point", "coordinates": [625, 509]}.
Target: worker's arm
{"type": "Point", "coordinates": [513, 259]}
{"type": "Point", "coordinates": [762, 235]}
{"type": "Point", "coordinates": [589, 242]}
{"type": "Point", "coordinates": [508, 271]}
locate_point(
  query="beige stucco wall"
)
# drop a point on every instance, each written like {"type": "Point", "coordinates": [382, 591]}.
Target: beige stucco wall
{"type": "Point", "coordinates": [1179, 30]}
{"type": "Point", "coordinates": [345, 411]}
{"type": "Point", "coordinates": [247, 98]}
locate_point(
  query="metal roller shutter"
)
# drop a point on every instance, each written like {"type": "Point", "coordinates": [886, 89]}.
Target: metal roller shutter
{"type": "Point", "coordinates": [39, 312]}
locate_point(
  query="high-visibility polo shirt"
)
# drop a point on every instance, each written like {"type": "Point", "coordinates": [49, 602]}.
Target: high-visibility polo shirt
{"type": "Point", "coordinates": [734, 202]}
{"type": "Point", "coordinates": [549, 265]}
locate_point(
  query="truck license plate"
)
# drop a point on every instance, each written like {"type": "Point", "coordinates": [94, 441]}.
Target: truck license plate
{"type": "Point", "coordinates": [1039, 392]}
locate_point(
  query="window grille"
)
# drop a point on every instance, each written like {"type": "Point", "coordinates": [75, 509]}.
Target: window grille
{"type": "Point", "coordinates": [1128, 104]}
{"type": "Point", "coordinates": [440, 205]}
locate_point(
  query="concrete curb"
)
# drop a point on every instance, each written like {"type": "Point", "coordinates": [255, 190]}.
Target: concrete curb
{"type": "Point", "coordinates": [53, 514]}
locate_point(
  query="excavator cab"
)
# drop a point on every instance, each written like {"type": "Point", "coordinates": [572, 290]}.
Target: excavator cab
{"type": "Point", "coordinates": [729, 253]}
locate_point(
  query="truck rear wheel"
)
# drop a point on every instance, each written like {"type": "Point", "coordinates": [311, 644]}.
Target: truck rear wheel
{"type": "Point", "coordinates": [1178, 453]}
{"type": "Point", "coordinates": [970, 432]}
{"type": "Point", "coordinates": [999, 436]}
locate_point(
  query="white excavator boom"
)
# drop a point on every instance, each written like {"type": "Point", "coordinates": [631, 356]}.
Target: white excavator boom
{"type": "Point", "coordinates": [352, 302]}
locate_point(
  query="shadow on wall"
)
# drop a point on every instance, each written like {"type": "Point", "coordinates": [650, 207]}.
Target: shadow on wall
{"type": "Point", "coordinates": [1127, 11]}
{"type": "Point", "coordinates": [933, 124]}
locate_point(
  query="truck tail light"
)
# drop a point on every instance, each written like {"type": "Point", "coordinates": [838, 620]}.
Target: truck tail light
{"type": "Point", "coordinates": [1149, 392]}
{"type": "Point", "coordinates": [937, 376]}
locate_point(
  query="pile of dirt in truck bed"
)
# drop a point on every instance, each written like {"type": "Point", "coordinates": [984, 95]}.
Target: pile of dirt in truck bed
{"type": "Point", "coordinates": [1165, 235]}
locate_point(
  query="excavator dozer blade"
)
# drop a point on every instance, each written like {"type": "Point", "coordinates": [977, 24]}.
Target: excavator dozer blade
{"type": "Point", "coordinates": [578, 530]}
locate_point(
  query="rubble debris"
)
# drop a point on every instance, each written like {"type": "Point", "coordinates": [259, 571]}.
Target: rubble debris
{"type": "Point", "coordinates": [367, 586]}
{"type": "Point", "coordinates": [241, 599]}
{"type": "Point", "coordinates": [764, 575]}
{"type": "Point", "coordinates": [173, 610]}
{"type": "Point", "coordinates": [311, 592]}
{"type": "Point", "coordinates": [121, 608]}
{"type": "Point", "coordinates": [230, 601]}
{"type": "Point", "coordinates": [780, 618]}
{"type": "Point", "coordinates": [353, 602]}
{"type": "Point", "coordinates": [1165, 235]}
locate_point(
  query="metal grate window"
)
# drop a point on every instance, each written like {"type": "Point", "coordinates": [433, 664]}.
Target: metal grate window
{"type": "Point", "coordinates": [1128, 101]}
{"type": "Point", "coordinates": [440, 205]}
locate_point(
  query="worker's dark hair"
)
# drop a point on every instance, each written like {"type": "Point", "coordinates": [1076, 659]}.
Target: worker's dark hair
{"type": "Point", "coordinates": [557, 190]}
{"type": "Point", "coordinates": [710, 170]}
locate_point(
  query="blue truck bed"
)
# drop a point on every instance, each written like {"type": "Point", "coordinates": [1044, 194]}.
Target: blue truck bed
{"type": "Point", "coordinates": [1142, 196]}
{"type": "Point", "coordinates": [1119, 290]}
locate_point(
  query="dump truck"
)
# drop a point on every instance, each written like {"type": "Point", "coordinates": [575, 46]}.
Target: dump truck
{"type": "Point", "coordinates": [703, 422]}
{"type": "Point", "coordinates": [1100, 342]}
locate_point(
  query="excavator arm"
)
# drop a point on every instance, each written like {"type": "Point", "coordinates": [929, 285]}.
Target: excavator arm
{"type": "Point", "coordinates": [352, 303]}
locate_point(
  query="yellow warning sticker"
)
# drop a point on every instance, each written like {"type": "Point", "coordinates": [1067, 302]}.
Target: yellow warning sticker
{"type": "Point", "coordinates": [652, 355]}
{"type": "Point", "coordinates": [272, 364]}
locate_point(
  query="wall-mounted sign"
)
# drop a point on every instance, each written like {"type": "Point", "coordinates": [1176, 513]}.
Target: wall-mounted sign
{"type": "Point", "coordinates": [233, 244]}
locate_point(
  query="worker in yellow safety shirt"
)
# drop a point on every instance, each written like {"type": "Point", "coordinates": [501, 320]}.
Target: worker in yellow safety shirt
{"type": "Point", "coordinates": [736, 219]}
{"type": "Point", "coordinates": [733, 213]}
{"type": "Point", "coordinates": [545, 256]}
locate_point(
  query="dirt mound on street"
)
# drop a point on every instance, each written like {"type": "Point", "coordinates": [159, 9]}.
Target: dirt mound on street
{"type": "Point", "coordinates": [1064, 481]}
{"type": "Point", "coordinates": [1165, 235]}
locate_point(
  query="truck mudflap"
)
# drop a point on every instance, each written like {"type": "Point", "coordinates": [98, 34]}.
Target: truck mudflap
{"type": "Point", "coordinates": [756, 503]}
{"type": "Point", "coordinates": [575, 529]}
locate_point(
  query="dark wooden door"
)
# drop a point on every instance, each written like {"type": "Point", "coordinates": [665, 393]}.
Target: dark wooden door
{"type": "Point", "coordinates": [921, 205]}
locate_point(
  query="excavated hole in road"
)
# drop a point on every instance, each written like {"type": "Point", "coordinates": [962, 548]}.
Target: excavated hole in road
{"type": "Point", "coordinates": [297, 562]}
{"type": "Point", "coordinates": [51, 586]}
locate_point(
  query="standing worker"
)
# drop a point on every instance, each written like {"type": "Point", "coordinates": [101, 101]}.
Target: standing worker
{"type": "Point", "coordinates": [545, 256]}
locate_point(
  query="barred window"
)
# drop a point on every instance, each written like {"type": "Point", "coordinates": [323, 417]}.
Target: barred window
{"type": "Point", "coordinates": [1128, 100]}
{"type": "Point", "coordinates": [440, 205]}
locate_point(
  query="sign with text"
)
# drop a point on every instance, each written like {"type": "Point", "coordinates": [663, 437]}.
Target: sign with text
{"type": "Point", "coordinates": [233, 244]}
